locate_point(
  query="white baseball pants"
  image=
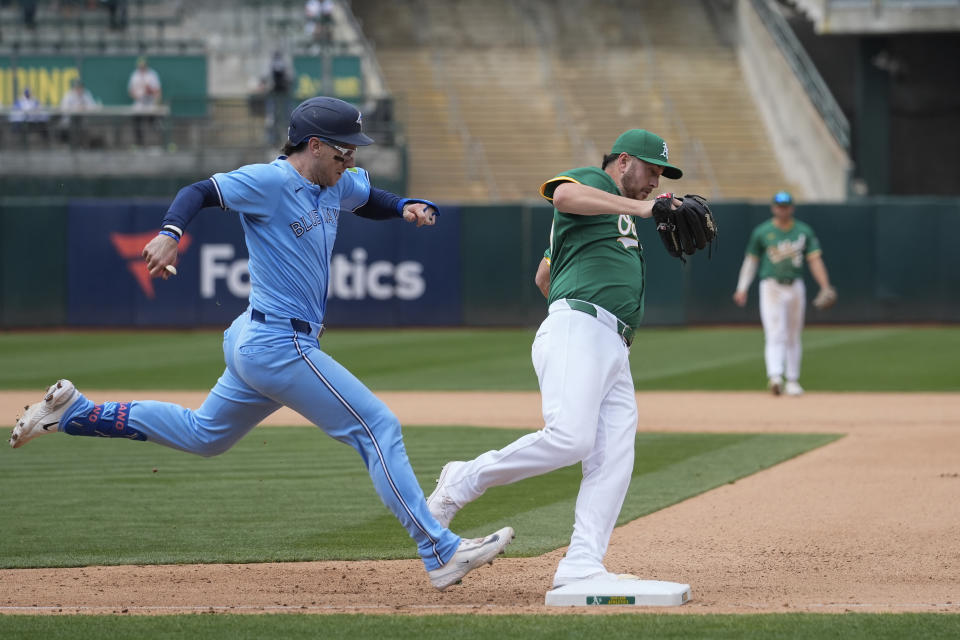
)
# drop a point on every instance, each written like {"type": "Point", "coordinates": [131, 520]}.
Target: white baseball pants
{"type": "Point", "coordinates": [590, 416]}
{"type": "Point", "coordinates": [782, 308]}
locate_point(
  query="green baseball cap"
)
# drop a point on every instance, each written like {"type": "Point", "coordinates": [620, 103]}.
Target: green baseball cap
{"type": "Point", "coordinates": [649, 147]}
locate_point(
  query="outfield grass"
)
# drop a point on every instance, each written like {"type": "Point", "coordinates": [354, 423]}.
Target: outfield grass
{"type": "Point", "coordinates": [835, 359]}
{"type": "Point", "coordinates": [351, 627]}
{"type": "Point", "coordinates": [123, 502]}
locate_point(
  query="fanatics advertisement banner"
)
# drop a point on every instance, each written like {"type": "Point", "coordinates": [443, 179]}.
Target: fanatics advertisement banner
{"type": "Point", "coordinates": [383, 273]}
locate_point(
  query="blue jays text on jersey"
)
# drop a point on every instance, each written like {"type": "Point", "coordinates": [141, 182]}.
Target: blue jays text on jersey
{"type": "Point", "coordinates": [289, 272]}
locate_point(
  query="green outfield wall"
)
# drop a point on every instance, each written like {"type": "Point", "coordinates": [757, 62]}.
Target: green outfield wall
{"type": "Point", "coordinates": [892, 260]}
{"type": "Point", "coordinates": [33, 262]}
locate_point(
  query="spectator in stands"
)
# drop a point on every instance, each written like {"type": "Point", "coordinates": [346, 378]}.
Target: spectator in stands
{"type": "Point", "coordinates": [319, 14]}
{"type": "Point", "coordinates": [28, 115]}
{"type": "Point", "coordinates": [277, 112]}
{"type": "Point", "coordinates": [118, 13]}
{"type": "Point", "coordinates": [74, 103]}
{"type": "Point", "coordinates": [29, 13]}
{"type": "Point", "coordinates": [144, 88]}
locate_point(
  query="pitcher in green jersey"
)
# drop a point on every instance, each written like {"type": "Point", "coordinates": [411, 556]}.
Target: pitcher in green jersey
{"type": "Point", "coordinates": [593, 277]}
{"type": "Point", "coordinates": [780, 246]}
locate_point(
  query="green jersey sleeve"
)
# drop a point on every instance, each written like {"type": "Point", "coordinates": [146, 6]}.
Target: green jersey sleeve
{"type": "Point", "coordinates": [755, 243]}
{"type": "Point", "coordinates": [590, 176]}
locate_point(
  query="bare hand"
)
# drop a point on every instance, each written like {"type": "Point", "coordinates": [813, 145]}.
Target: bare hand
{"type": "Point", "coordinates": [420, 213]}
{"type": "Point", "coordinates": [740, 297]}
{"type": "Point", "coordinates": [160, 252]}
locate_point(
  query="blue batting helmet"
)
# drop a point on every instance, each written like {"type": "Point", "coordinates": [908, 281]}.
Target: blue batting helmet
{"type": "Point", "coordinates": [329, 118]}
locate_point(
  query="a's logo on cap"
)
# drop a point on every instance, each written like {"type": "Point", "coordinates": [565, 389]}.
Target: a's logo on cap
{"type": "Point", "coordinates": [666, 152]}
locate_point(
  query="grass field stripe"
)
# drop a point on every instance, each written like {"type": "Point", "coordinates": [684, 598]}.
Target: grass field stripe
{"type": "Point", "coordinates": [698, 365]}
{"type": "Point", "coordinates": [376, 445]}
{"type": "Point", "coordinates": [809, 344]}
{"type": "Point", "coordinates": [419, 360]}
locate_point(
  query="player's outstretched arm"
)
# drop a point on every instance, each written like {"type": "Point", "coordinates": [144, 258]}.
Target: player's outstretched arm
{"type": "Point", "coordinates": [580, 199]}
{"type": "Point", "coordinates": [383, 205]}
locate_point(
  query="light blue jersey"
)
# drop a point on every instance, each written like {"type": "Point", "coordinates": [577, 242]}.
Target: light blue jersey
{"type": "Point", "coordinates": [290, 225]}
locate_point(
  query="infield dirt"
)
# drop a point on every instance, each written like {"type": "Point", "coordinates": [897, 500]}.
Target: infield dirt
{"type": "Point", "coordinates": [866, 523]}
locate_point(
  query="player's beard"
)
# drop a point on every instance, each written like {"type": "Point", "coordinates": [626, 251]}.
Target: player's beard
{"type": "Point", "coordinates": [632, 191]}
{"type": "Point", "coordinates": [635, 183]}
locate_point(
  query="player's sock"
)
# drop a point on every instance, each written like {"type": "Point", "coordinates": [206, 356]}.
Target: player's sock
{"type": "Point", "coordinates": [107, 420]}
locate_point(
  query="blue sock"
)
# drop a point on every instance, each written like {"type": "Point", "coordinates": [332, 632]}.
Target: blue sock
{"type": "Point", "coordinates": [107, 420]}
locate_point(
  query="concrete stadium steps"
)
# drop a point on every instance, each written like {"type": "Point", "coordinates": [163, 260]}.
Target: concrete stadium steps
{"type": "Point", "coordinates": [504, 102]}
{"type": "Point", "coordinates": [710, 97]}
{"type": "Point", "coordinates": [390, 25]}
{"type": "Point", "coordinates": [527, 89]}
{"type": "Point", "coordinates": [468, 23]}
{"type": "Point", "coordinates": [436, 151]}
{"type": "Point", "coordinates": [233, 124]}
{"type": "Point", "coordinates": [443, 23]}
{"type": "Point", "coordinates": [606, 95]}
{"type": "Point", "coordinates": [445, 106]}
{"type": "Point", "coordinates": [680, 24]}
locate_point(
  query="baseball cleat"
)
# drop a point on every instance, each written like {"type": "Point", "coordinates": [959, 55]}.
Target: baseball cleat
{"type": "Point", "coordinates": [472, 553]}
{"type": "Point", "coordinates": [775, 385]}
{"type": "Point", "coordinates": [441, 505]}
{"type": "Point", "coordinates": [793, 388]}
{"type": "Point", "coordinates": [43, 417]}
{"type": "Point", "coordinates": [564, 581]}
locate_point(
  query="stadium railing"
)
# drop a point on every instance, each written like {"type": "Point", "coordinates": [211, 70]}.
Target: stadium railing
{"type": "Point", "coordinates": [805, 71]}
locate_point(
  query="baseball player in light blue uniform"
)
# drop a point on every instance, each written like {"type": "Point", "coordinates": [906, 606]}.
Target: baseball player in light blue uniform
{"type": "Point", "coordinates": [289, 210]}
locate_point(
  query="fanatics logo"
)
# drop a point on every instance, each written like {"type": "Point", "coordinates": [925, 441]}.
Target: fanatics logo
{"type": "Point", "coordinates": [129, 246]}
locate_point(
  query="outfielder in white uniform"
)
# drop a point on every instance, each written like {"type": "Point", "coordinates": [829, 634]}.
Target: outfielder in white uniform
{"type": "Point", "coordinates": [581, 351]}
{"type": "Point", "coordinates": [778, 247]}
